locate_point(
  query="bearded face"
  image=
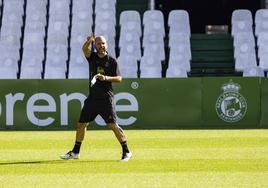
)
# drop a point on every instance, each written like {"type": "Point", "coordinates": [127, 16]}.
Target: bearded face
{"type": "Point", "coordinates": [101, 45]}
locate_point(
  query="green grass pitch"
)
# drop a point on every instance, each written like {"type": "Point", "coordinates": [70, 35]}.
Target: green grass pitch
{"type": "Point", "coordinates": [162, 158]}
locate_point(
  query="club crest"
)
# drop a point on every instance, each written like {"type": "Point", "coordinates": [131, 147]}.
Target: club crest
{"type": "Point", "coordinates": [231, 106]}
{"type": "Point", "coordinates": [106, 64]}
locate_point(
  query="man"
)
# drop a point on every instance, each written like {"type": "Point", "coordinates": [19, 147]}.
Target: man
{"type": "Point", "coordinates": [103, 71]}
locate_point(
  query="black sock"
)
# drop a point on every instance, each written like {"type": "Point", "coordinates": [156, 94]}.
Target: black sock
{"type": "Point", "coordinates": [77, 146]}
{"type": "Point", "coordinates": [124, 147]}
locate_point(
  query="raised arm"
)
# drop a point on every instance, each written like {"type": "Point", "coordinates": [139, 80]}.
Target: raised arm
{"type": "Point", "coordinates": [85, 48]}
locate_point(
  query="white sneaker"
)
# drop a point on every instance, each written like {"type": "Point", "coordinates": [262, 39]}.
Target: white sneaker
{"type": "Point", "coordinates": [70, 155]}
{"type": "Point", "coordinates": [126, 157]}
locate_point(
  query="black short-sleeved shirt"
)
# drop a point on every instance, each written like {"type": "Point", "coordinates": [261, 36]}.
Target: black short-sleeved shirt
{"type": "Point", "coordinates": [106, 66]}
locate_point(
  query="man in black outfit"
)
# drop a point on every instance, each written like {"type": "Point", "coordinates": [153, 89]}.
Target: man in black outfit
{"type": "Point", "coordinates": [103, 71]}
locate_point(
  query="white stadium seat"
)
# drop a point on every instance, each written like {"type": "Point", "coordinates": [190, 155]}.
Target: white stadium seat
{"type": "Point", "coordinates": [78, 73]}
{"type": "Point", "coordinates": [8, 73]}
{"type": "Point", "coordinates": [30, 73]}
{"type": "Point", "coordinates": [55, 73]}
{"type": "Point", "coordinates": [243, 15]}
{"type": "Point", "coordinates": [82, 5]}
{"type": "Point", "coordinates": [150, 67]}
{"type": "Point", "coordinates": [106, 15]}
{"type": "Point", "coordinates": [178, 16]}
{"type": "Point", "coordinates": [103, 5]}
{"type": "Point", "coordinates": [129, 16]}
{"type": "Point", "coordinates": [55, 62]}
{"type": "Point", "coordinates": [179, 38]}
{"type": "Point", "coordinates": [180, 61]}
{"type": "Point", "coordinates": [131, 50]}
{"type": "Point", "coordinates": [32, 62]}
{"type": "Point", "coordinates": [9, 62]}
{"type": "Point", "coordinates": [128, 37]}
{"type": "Point", "coordinates": [241, 27]}
{"type": "Point", "coordinates": [152, 39]}
{"type": "Point", "coordinates": [254, 71]}
{"type": "Point", "coordinates": [128, 66]}
{"type": "Point", "coordinates": [155, 50]}
{"type": "Point", "coordinates": [152, 15]}
{"type": "Point", "coordinates": [176, 72]}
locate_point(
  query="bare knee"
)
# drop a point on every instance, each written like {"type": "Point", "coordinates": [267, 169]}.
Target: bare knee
{"type": "Point", "coordinates": [113, 126]}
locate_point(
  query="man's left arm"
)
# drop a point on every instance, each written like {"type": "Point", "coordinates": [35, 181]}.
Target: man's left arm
{"type": "Point", "coordinates": [109, 78]}
{"type": "Point", "coordinates": [115, 77]}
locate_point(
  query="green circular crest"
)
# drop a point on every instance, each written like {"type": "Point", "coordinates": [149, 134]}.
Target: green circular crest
{"type": "Point", "coordinates": [231, 107]}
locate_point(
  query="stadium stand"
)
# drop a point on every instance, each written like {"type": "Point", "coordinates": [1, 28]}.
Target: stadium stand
{"type": "Point", "coordinates": [57, 39]}
{"type": "Point", "coordinates": [11, 34]}
{"type": "Point", "coordinates": [82, 23]}
{"type": "Point", "coordinates": [139, 6]}
{"type": "Point", "coordinates": [129, 43]}
{"type": "Point", "coordinates": [34, 39]}
{"type": "Point", "coordinates": [154, 30]}
{"type": "Point", "coordinates": [130, 29]}
{"type": "Point", "coordinates": [54, 32]}
{"type": "Point", "coordinates": [261, 24]}
{"type": "Point", "coordinates": [153, 41]}
{"type": "Point", "coordinates": [78, 63]}
{"type": "Point", "coordinates": [179, 43]}
{"type": "Point", "coordinates": [42, 36]}
{"type": "Point", "coordinates": [130, 21]}
{"type": "Point", "coordinates": [261, 32]}
{"type": "Point", "coordinates": [244, 42]}
{"type": "Point", "coordinates": [179, 23]}
{"type": "Point", "coordinates": [105, 22]}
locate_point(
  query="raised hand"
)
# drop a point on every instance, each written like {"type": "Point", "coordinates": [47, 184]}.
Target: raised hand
{"type": "Point", "coordinates": [90, 38]}
{"type": "Point", "coordinates": [85, 48]}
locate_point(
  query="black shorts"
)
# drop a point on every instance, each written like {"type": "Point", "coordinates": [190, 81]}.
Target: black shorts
{"type": "Point", "coordinates": [93, 107]}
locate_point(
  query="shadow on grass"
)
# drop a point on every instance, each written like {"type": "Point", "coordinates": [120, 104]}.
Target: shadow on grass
{"type": "Point", "coordinates": [55, 162]}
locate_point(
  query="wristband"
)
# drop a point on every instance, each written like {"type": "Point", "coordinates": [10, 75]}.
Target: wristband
{"type": "Point", "coordinates": [105, 78]}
